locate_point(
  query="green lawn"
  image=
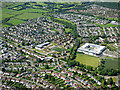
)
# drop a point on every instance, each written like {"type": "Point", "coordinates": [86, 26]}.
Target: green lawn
{"type": "Point", "coordinates": [54, 30]}
{"type": "Point", "coordinates": [5, 25]}
{"type": "Point", "coordinates": [31, 10]}
{"type": "Point", "coordinates": [58, 49]}
{"type": "Point", "coordinates": [5, 15]}
{"type": "Point", "coordinates": [68, 30]}
{"type": "Point", "coordinates": [5, 10]}
{"type": "Point", "coordinates": [107, 25]}
{"type": "Point", "coordinates": [64, 20]}
{"type": "Point", "coordinates": [112, 63]}
{"type": "Point", "coordinates": [15, 21]}
{"type": "Point", "coordinates": [87, 60]}
{"type": "Point", "coordinates": [114, 79]}
{"type": "Point", "coordinates": [28, 16]}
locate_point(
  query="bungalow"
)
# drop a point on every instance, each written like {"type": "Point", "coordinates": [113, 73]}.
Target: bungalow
{"type": "Point", "coordinates": [17, 80]}
{"type": "Point", "coordinates": [62, 71]}
{"type": "Point", "coordinates": [41, 81]}
{"type": "Point", "coordinates": [62, 77]}
{"type": "Point", "coordinates": [80, 72]}
{"type": "Point", "coordinates": [110, 86]}
{"type": "Point", "coordinates": [74, 70]}
{"type": "Point", "coordinates": [89, 85]}
{"type": "Point", "coordinates": [9, 79]}
{"type": "Point", "coordinates": [70, 74]}
{"type": "Point", "coordinates": [13, 80]}
{"type": "Point", "coordinates": [42, 71]}
{"type": "Point", "coordinates": [51, 87]}
{"type": "Point", "coordinates": [48, 71]}
{"type": "Point", "coordinates": [22, 82]}
{"type": "Point", "coordinates": [53, 74]}
{"type": "Point", "coordinates": [18, 75]}
{"type": "Point", "coordinates": [67, 81]}
{"type": "Point", "coordinates": [57, 75]}
{"type": "Point", "coordinates": [6, 73]}
{"type": "Point", "coordinates": [74, 85]}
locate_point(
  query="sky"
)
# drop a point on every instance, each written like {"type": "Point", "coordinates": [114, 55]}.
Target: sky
{"type": "Point", "coordinates": [59, 0]}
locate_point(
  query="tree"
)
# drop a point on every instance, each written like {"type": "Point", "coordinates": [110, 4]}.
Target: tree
{"type": "Point", "coordinates": [90, 68]}
{"type": "Point", "coordinates": [103, 83]}
{"type": "Point", "coordinates": [46, 76]}
{"type": "Point", "coordinates": [3, 69]}
{"type": "Point", "coordinates": [46, 66]}
{"type": "Point", "coordinates": [110, 81]}
{"type": "Point", "coordinates": [53, 79]}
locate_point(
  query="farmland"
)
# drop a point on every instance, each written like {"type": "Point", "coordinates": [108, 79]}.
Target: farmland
{"type": "Point", "coordinates": [18, 13]}
{"type": "Point", "coordinates": [15, 21]}
{"type": "Point", "coordinates": [28, 16]}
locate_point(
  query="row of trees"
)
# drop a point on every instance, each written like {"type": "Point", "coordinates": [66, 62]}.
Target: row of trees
{"type": "Point", "coordinates": [67, 24]}
{"type": "Point", "coordinates": [74, 50]}
{"type": "Point", "coordinates": [104, 71]}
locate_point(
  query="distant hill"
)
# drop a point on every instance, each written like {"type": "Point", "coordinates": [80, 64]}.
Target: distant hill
{"type": "Point", "coordinates": [112, 5]}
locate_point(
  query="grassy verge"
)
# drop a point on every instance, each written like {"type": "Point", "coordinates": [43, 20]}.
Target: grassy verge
{"type": "Point", "coordinates": [107, 25]}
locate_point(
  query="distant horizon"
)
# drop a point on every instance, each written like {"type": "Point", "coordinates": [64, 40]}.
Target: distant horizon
{"type": "Point", "coordinates": [59, 1]}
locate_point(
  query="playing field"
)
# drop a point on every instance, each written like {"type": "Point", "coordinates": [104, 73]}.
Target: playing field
{"type": "Point", "coordinates": [87, 60]}
{"type": "Point", "coordinates": [112, 63]}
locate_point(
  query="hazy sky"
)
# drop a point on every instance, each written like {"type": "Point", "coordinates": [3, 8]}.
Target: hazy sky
{"type": "Point", "coordinates": [60, 0]}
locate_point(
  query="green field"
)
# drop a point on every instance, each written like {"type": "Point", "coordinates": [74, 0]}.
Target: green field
{"type": "Point", "coordinates": [112, 63]}
{"type": "Point", "coordinates": [28, 16]}
{"type": "Point", "coordinates": [31, 10]}
{"type": "Point", "coordinates": [58, 49]}
{"type": "Point", "coordinates": [68, 30]}
{"type": "Point", "coordinates": [87, 60]}
{"type": "Point", "coordinates": [107, 25]}
{"type": "Point", "coordinates": [11, 15]}
{"type": "Point", "coordinates": [15, 21]}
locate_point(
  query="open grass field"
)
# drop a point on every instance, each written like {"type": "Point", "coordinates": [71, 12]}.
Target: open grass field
{"type": "Point", "coordinates": [5, 10]}
{"type": "Point", "coordinates": [31, 10]}
{"type": "Point", "coordinates": [112, 63]}
{"type": "Point", "coordinates": [15, 21]}
{"type": "Point", "coordinates": [87, 60]}
{"type": "Point", "coordinates": [58, 49]}
{"type": "Point", "coordinates": [12, 13]}
{"type": "Point", "coordinates": [64, 20]}
{"type": "Point", "coordinates": [6, 16]}
{"type": "Point", "coordinates": [28, 16]}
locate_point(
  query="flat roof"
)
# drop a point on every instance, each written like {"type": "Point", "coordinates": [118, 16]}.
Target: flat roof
{"type": "Point", "coordinates": [41, 45]}
{"type": "Point", "coordinates": [91, 48]}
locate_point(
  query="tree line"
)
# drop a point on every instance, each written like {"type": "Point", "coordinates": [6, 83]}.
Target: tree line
{"type": "Point", "coordinates": [67, 24]}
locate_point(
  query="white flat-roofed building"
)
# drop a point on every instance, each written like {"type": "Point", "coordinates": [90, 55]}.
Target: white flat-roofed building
{"type": "Point", "coordinates": [91, 49]}
{"type": "Point", "coordinates": [42, 45]}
